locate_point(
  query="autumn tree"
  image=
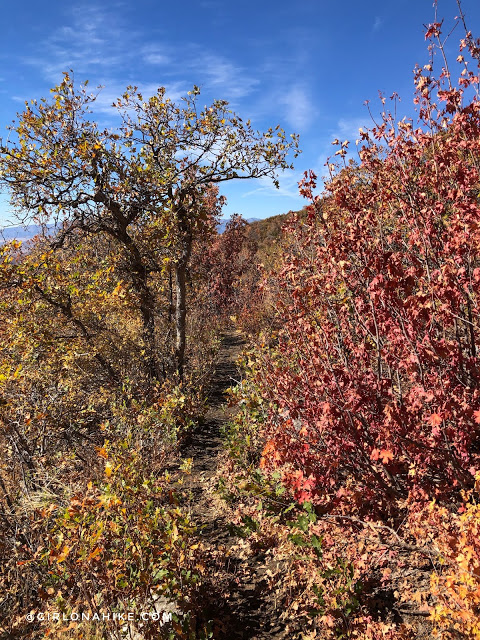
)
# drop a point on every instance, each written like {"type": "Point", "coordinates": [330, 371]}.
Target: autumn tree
{"type": "Point", "coordinates": [157, 170]}
{"type": "Point", "coordinates": [224, 265]}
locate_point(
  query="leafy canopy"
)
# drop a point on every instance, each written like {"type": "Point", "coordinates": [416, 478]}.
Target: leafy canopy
{"type": "Point", "coordinates": [59, 162]}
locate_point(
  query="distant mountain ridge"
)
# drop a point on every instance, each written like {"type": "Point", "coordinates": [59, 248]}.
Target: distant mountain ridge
{"type": "Point", "coordinates": [22, 233]}
{"type": "Point", "coordinates": [30, 231]}
{"type": "Point", "coordinates": [223, 223]}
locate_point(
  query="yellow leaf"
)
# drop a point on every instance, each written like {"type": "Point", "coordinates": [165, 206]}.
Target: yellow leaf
{"type": "Point", "coordinates": [117, 289]}
{"type": "Point", "coordinates": [64, 554]}
{"type": "Point", "coordinates": [94, 553]}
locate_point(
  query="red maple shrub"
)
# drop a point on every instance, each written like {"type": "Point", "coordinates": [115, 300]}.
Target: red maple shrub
{"type": "Point", "coordinates": [361, 397]}
{"type": "Point", "coordinates": [373, 380]}
{"type": "Point", "coordinates": [225, 266]}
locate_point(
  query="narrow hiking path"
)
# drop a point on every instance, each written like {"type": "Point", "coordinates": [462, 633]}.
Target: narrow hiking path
{"type": "Point", "coordinates": [239, 598]}
{"type": "Point", "coordinates": [238, 603]}
{"type": "Point", "coordinates": [205, 446]}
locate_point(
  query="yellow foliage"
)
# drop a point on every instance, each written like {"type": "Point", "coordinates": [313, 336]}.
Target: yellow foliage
{"type": "Point", "coordinates": [455, 582]}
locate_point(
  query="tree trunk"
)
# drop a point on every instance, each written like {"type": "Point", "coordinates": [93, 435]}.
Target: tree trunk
{"type": "Point", "coordinates": [148, 321]}
{"type": "Point", "coordinates": [181, 292]}
{"type": "Point", "coordinates": [185, 238]}
{"type": "Point", "coordinates": [139, 275]}
{"type": "Point", "coordinates": [181, 312]}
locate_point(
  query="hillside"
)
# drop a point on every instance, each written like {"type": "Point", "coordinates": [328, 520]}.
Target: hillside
{"type": "Point", "coordinates": [266, 233]}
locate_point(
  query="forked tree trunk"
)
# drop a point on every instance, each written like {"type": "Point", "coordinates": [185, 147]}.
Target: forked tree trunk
{"type": "Point", "coordinates": [139, 275]}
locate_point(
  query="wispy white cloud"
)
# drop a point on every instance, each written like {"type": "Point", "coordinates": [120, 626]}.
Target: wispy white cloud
{"type": "Point", "coordinates": [155, 55]}
{"type": "Point", "coordinates": [347, 128]}
{"type": "Point", "coordinates": [156, 59]}
{"type": "Point", "coordinates": [288, 186]}
{"type": "Point", "coordinates": [100, 49]}
{"type": "Point", "coordinates": [299, 108]}
{"type": "Point", "coordinates": [91, 43]}
{"type": "Point", "coordinates": [220, 73]}
{"type": "Point", "coordinates": [343, 129]}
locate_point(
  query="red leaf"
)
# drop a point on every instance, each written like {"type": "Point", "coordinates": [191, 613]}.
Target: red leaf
{"type": "Point", "coordinates": [435, 420]}
{"type": "Point", "coordinates": [385, 456]}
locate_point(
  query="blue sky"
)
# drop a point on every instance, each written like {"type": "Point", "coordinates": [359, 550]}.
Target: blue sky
{"type": "Point", "coordinates": [307, 66]}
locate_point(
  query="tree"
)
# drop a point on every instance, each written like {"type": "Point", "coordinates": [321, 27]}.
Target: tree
{"type": "Point", "coordinates": [158, 170]}
{"type": "Point", "coordinates": [224, 266]}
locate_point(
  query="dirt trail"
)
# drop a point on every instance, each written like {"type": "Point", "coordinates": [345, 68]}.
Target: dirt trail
{"type": "Point", "coordinates": [205, 446]}
{"type": "Point", "coordinates": [238, 605]}
{"type": "Point", "coordinates": [237, 598]}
